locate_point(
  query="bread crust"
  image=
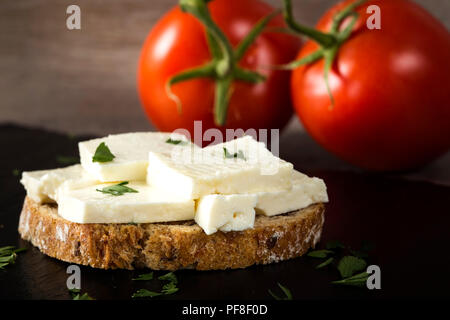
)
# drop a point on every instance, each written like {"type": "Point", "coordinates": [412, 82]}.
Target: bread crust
{"type": "Point", "coordinates": [170, 246]}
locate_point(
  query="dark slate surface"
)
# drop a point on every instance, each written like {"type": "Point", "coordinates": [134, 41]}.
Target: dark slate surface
{"type": "Point", "coordinates": [408, 221]}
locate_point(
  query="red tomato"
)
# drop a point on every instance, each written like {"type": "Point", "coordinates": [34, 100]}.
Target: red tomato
{"type": "Point", "coordinates": [391, 89]}
{"type": "Point", "coordinates": [178, 42]}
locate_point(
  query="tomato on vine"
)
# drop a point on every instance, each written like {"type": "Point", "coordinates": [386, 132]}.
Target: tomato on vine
{"type": "Point", "coordinates": [379, 99]}
{"type": "Point", "coordinates": [208, 61]}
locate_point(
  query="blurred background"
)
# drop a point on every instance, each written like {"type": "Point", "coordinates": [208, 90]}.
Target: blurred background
{"type": "Point", "coordinates": [83, 81]}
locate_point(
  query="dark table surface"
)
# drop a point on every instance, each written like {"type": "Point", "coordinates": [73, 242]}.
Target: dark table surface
{"type": "Point", "coordinates": [407, 221]}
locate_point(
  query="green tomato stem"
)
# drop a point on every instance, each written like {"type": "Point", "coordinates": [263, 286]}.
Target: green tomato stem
{"type": "Point", "coordinates": [313, 57]}
{"type": "Point", "coordinates": [324, 39]}
{"type": "Point", "coordinates": [199, 9]}
{"type": "Point", "coordinates": [329, 43]}
{"type": "Point", "coordinates": [248, 75]}
{"type": "Point", "coordinates": [344, 34]}
{"type": "Point", "coordinates": [214, 47]}
{"type": "Point", "coordinates": [205, 71]}
{"type": "Point", "coordinates": [341, 15]}
{"type": "Point", "coordinates": [329, 56]}
{"type": "Point", "coordinates": [222, 97]}
{"type": "Point", "coordinates": [223, 67]}
{"type": "Point", "coordinates": [253, 34]}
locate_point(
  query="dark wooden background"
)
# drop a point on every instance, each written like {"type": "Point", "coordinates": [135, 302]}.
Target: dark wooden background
{"type": "Point", "coordinates": [83, 81]}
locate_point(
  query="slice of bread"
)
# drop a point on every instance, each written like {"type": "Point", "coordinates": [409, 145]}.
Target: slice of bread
{"type": "Point", "coordinates": [170, 246]}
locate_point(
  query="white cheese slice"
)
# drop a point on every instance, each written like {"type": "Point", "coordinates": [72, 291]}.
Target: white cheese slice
{"type": "Point", "coordinates": [148, 205]}
{"type": "Point", "coordinates": [226, 212]}
{"type": "Point", "coordinates": [254, 152]}
{"type": "Point", "coordinates": [305, 191]}
{"type": "Point", "coordinates": [208, 171]}
{"type": "Point", "coordinates": [131, 154]}
{"type": "Point", "coordinates": [44, 185]}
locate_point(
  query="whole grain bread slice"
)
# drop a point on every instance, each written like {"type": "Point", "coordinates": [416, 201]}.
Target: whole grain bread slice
{"type": "Point", "coordinates": [170, 246]}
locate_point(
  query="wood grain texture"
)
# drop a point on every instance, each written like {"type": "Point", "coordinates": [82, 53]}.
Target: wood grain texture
{"type": "Point", "coordinates": [83, 81]}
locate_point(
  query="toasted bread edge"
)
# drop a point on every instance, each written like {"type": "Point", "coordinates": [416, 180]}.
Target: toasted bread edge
{"type": "Point", "coordinates": [170, 246]}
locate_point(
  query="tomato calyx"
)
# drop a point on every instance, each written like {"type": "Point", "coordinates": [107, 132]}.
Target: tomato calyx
{"type": "Point", "coordinates": [329, 42]}
{"type": "Point", "coordinates": [223, 67]}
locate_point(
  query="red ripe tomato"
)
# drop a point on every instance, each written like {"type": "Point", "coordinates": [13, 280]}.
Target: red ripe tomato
{"type": "Point", "coordinates": [178, 42]}
{"type": "Point", "coordinates": [391, 90]}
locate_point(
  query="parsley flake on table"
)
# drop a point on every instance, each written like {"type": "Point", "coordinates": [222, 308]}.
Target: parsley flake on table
{"type": "Point", "coordinates": [286, 291]}
{"type": "Point", "coordinates": [144, 277]}
{"type": "Point", "coordinates": [77, 296]}
{"type": "Point", "coordinates": [325, 263]}
{"type": "Point", "coordinates": [167, 289]}
{"type": "Point", "coordinates": [171, 277]}
{"type": "Point", "coordinates": [8, 255]}
{"type": "Point", "coordinates": [349, 261]}
{"type": "Point", "coordinates": [319, 253]}
{"type": "Point", "coordinates": [144, 293]}
{"type": "Point", "coordinates": [348, 265]}
{"type": "Point", "coordinates": [359, 280]}
{"type": "Point", "coordinates": [102, 154]}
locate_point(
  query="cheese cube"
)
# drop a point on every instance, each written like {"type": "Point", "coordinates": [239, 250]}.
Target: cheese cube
{"type": "Point", "coordinates": [148, 205]}
{"type": "Point", "coordinates": [226, 212]}
{"type": "Point", "coordinates": [43, 185]}
{"type": "Point", "coordinates": [131, 154]}
{"type": "Point", "coordinates": [305, 191]}
{"type": "Point", "coordinates": [243, 166]}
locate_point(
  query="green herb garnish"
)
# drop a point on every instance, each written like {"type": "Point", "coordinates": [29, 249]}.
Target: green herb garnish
{"type": "Point", "coordinates": [177, 142]}
{"type": "Point", "coordinates": [286, 291]}
{"type": "Point", "coordinates": [67, 160]}
{"type": "Point", "coordinates": [350, 261]}
{"type": "Point", "coordinates": [168, 288]}
{"type": "Point", "coordinates": [102, 154]}
{"type": "Point", "coordinates": [171, 277]}
{"type": "Point", "coordinates": [117, 189]}
{"type": "Point", "coordinates": [8, 255]}
{"type": "Point", "coordinates": [348, 265]}
{"type": "Point", "coordinates": [319, 253]}
{"type": "Point", "coordinates": [76, 295]}
{"type": "Point", "coordinates": [16, 172]}
{"type": "Point", "coordinates": [238, 155]}
{"type": "Point", "coordinates": [359, 280]}
{"type": "Point", "coordinates": [84, 296]}
{"type": "Point", "coordinates": [144, 277]}
{"type": "Point", "coordinates": [325, 263]}
{"type": "Point", "coordinates": [144, 293]}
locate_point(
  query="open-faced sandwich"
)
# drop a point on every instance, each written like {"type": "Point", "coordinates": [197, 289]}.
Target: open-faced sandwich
{"type": "Point", "coordinates": [156, 200]}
